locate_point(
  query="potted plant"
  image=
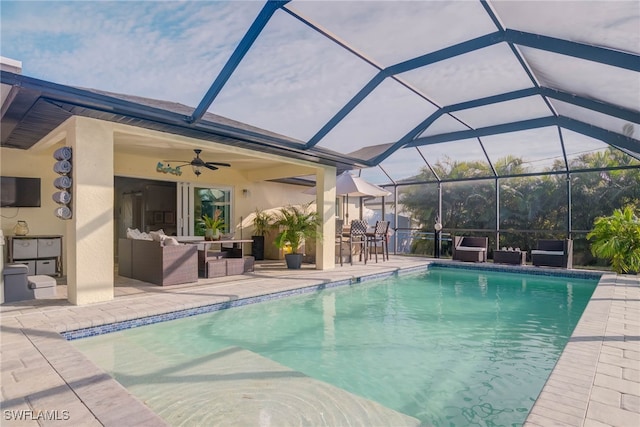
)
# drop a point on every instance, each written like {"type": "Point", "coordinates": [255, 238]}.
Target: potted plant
{"type": "Point", "coordinates": [295, 224]}
{"type": "Point", "coordinates": [213, 226]}
{"type": "Point", "coordinates": [617, 237]}
{"type": "Point", "coordinates": [261, 226]}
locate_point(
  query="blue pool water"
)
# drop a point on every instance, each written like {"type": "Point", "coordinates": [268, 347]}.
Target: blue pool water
{"type": "Point", "coordinates": [450, 347]}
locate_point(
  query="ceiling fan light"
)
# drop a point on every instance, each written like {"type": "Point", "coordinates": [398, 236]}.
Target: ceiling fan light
{"type": "Point", "coordinates": [196, 170]}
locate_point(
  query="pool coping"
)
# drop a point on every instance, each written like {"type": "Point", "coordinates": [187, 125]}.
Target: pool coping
{"type": "Point", "coordinates": [179, 314]}
{"type": "Point", "coordinates": [81, 386]}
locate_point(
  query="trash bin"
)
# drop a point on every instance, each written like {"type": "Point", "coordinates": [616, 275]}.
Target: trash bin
{"type": "Point", "coordinates": [16, 285]}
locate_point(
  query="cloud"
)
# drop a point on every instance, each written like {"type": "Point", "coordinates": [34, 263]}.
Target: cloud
{"type": "Point", "coordinates": [165, 50]}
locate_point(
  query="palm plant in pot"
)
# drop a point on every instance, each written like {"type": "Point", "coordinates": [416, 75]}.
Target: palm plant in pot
{"type": "Point", "coordinates": [213, 226]}
{"type": "Point", "coordinates": [261, 226]}
{"type": "Point", "coordinates": [617, 238]}
{"type": "Point", "coordinates": [295, 224]}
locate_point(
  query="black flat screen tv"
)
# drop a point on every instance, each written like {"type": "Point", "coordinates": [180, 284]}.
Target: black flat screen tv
{"type": "Point", "coordinates": [19, 192]}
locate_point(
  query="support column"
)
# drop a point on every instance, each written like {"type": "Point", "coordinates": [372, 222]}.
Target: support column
{"type": "Point", "coordinates": [89, 237]}
{"type": "Point", "coordinates": [497, 213]}
{"type": "Point", "coordinates": [326, 203]}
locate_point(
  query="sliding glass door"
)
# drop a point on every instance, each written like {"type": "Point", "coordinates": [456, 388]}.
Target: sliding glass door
{"type": "Point", "coordinates": [195, 201]}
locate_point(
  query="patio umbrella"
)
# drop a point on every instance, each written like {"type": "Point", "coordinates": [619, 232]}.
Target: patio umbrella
{"type": "Point", "coordinates": [351, 185]}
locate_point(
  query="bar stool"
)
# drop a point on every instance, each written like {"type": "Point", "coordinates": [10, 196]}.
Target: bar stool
{"type": "Point", "coordinates": [379, 235]}
{"type": "Point", "coordinates": [358, 237]}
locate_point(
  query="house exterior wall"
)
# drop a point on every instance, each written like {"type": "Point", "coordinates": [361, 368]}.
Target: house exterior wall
{"type": "Point", "coordinates": [41, 221]}
{"type": "Point", "coordinates": [27, 163]}
{"type": "Point", "coordinates": [88, 238]}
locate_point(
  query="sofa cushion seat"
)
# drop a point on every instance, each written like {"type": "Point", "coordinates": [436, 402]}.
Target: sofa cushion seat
{"type": "Point", "coordinates": [470, 249]}
{"type": "Point", "coordinates": [541, 252]}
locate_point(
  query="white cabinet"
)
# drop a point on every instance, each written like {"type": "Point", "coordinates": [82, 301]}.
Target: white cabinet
{"type": "Point", "coordinates": [41, 254]}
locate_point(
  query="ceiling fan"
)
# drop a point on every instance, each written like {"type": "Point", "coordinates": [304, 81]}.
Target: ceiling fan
{"type": "Point", "coordinates": [197, 163]}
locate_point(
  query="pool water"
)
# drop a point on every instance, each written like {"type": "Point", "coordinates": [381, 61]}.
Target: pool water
{"type": "Point", "coordinates": [450, 347]}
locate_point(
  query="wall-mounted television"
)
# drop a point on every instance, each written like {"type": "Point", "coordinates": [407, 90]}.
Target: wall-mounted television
{"type": "Point", "coordinates": [19, 192]}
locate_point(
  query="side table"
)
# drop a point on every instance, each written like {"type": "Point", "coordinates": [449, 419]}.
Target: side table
{"type": "Point", "coordinates": [510, 257]}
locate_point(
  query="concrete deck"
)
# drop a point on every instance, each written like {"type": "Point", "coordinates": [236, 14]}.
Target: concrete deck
{"type": "Point", "coordinates": [45, 380]}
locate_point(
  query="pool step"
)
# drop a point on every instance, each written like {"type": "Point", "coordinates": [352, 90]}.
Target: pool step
{"type": "Point", "coordinates": [236, 387]}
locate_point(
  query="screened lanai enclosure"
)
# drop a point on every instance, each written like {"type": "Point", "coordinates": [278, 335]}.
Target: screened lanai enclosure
{"type": "Point", "coordinates": [512, 119]}
{"type": "Point", "coordinates": [516, 120]}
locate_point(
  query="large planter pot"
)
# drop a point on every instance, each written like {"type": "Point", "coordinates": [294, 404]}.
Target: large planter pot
{"type": "Point", "coordinates": [257, 247]}
{"type": "Point", "coordinates": [294, 261]}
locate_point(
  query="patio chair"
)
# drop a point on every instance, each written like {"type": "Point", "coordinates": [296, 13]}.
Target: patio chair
{"type": "Point", "coordinates": [358, 238]}
{"type": "Point", "coordinates": [553, 253]}
{"type": "Point", "coordinates": [379, 236]}
{"type": "Point", "coordinates": [470, 249]}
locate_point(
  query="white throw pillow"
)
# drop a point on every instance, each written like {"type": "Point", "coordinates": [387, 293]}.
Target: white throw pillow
{"type": "Point", "coordinates": [170, 241]}
{"type": "Point", "coordinates": [133, 233]}
{"type": "Point", "coordinates": [157, 235]}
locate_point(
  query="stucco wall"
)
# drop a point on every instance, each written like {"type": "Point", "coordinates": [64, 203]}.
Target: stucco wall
{"type": "Point", "coordinates": [259, 194]}
{"type": "Point", "coordinates": [25, 163]}
{"type": "Point", "coordinates": [39, 163]}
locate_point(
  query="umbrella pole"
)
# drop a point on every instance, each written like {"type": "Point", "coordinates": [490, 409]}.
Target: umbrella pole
{"type": "Point", "coordinates": [346, 211]}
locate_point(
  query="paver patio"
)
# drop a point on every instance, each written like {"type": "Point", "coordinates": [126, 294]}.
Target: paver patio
{"type": "Point", "coordinates": [596, 381]}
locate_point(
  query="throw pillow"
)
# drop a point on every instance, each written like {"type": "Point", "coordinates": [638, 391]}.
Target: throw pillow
{"type": "Point", "coordinates": [157, 235]}
{"type": "Point", "coordinates": [170, 241]}
{"type": "Point", "coordinates": [133, 233]}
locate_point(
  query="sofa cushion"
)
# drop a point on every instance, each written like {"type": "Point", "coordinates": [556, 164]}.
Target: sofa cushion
{"type": "Point", "coordinates": [540, 252]}
{"type": "Point", "coordinates": [134, 233]}
{"type": "Point", "coordinates": [170, 241]}
{"type": "Point", "coordinates": [157, 236]}
{"type": "Point", "coordinates": [470, 249]}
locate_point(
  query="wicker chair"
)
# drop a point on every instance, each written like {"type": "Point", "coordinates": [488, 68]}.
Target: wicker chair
{"type": "Point", "coordinates": [553, 253]}
{"type": "Point", "coordinates": [470, 249]}
{"type": "Point", "coordinates": [161, 265]}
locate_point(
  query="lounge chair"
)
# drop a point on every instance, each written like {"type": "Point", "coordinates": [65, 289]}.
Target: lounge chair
{"type": "Point", "coordinates": [470, 249]}
{"type": "Point", "coordinates": [553, 253]}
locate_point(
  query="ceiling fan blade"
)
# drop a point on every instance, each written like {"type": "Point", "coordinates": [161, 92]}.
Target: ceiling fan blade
{"type": "Point", "coordinates": [177, 166]}
{"type": "Point", "coordinates": [218, 164]}
{"type": "Point", "coordinates": [208, 166]}
{"type": "Point", "coordinates": [178, 161]}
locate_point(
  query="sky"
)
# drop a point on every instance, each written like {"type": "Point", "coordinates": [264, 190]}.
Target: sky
{"type": "Point", "coordinates": [293, 80]}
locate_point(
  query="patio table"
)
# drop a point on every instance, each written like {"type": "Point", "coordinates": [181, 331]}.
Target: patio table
{"type": "Point", "coordinates": [510, 257]}
{"type": "Point", "coordinates": [207, 258]}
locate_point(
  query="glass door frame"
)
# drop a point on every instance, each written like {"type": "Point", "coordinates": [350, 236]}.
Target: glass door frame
{"type": "Point", "coordinates": [185, 209]}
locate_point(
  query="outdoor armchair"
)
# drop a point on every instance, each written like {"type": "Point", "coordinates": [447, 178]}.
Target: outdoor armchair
{"type": "Point", "coordinates": [553, 253]}
{"type": "Point", "coordinates": [470, 249]}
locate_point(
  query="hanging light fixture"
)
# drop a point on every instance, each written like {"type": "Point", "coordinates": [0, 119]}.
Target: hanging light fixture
{"type": "Point", "coordinates": [196, 170]}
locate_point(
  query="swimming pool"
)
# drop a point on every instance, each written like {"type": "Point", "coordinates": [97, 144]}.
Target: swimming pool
{"type": "Point", "coordinates": [447, 346]}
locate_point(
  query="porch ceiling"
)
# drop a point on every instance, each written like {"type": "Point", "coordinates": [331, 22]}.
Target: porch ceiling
{"type": "Point", "coordinates": [173, 149]}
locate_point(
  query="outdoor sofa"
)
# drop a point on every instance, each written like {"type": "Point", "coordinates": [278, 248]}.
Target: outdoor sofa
{"type": "Point", "coordinates": [470, 249]}
{"type": "Point", "coordinates": [150, 261]}
{"type": "Point", "coordinates": [553, 253]}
